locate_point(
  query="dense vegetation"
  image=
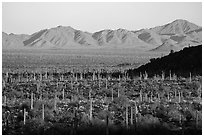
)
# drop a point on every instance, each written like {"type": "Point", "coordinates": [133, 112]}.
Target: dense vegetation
{"type": "Point", "coordinates": [162, 97]}
{"type": "Point", "coordinates": [75, 103]}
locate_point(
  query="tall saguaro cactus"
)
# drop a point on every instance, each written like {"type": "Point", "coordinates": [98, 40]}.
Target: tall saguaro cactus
{"type": "Point", "coordinates": [43, 111]}
{"type": "Point", "coordinates": [24, 116]}
{"type": "Point", "coordinates": [145, 75]}
{"type": "Point", "coordinates": [34, 77]}
{"type": "Point", "coordinates": [163, 75]}
{"type": "Point", "coordinates": [119, 90]}
{"type": "Point", "coordinates": [131, 116]}
{"type": "Point", "coordinates": [46, 74]}
{"type": "Point", "coordinates": [76, 77]}
{"type": "Point", "coordinates": [38, 87]}
{"type": "Point", "coordinates": [99, 82]}
{"type": "Point", "coordinates": [81, 76]}
{"type": "Point", "coordinates": [141, 95]}
{"type": "Point", "coordinates": [55, 102]}
{"type": "Point", "coordinates": [41, 76]}
{"type": "Point", "coordinates": [146, 97]}
{"type": "Point", "coordinates": [5, 100]}
{"type": "Point", "coordinates": [19, 77]}
{"type": "Point", "coordinates": [179, 97]}
{"type": "Point", "coordinates": [126, 116]}
{"type": "Point", "coordinates": [91, 108]}
{"type": "Point", "coordinates": [63, 93]}
{"type": "Point", "coordinates": [151, 97]}
{"type": "Point", "coordinates": [136, 111]}
{"type": "Point", "coordinates": [140, 76]}
{"type": "Point", "coordinates": [106, 83]}
{"type": "Point", "coordinates": [71, 83]}
{"type": "Point", "coordinates": [112, 94]}
{"type": "Point", "coordinates": [31, 104]}
{"type": "Point", "coordinates": [93, 75]}
{"type": "Point", "coordinates": [4, 83]}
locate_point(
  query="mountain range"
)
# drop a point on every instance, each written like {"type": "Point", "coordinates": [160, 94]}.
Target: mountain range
{"type": "Point", "coordinates": [175, 35]}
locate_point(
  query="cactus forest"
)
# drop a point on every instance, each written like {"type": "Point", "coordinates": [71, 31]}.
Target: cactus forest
{"type": "Point", "coordinates": [99, 101]}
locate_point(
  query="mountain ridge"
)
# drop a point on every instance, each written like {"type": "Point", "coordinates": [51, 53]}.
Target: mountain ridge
{"type": "Point", "coordinates": [180, 32]}
{"type": "Point", "coordinates": [181, 63]}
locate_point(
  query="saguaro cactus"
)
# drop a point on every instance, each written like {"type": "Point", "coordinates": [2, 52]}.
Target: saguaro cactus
{"type": "Point", "coordinates": [34, 77]}
{"type": "Point", "coordinates": [151, 97]}
{"type": "Point", "coordinates": [140, 76]}
{"type": "Point", "coordinates": [24, 116]}
{"type": "Point", "coordinates": [158, 96]}
{"type": "Point", "coordinates": [119, 90]}
{"type": "Point", "coordinates": [146, 97]}
{"type": "Point", "coordinates": [7, 76]}
{"type": "Point", "coordinates": [41, 76]}
{"type": "Point", "coordinates": [163, 75]}
{"type": "Point", "coordinates": [55, 102]}
{"type": "Point", "coordinates": [63, 94]}
{"type": "Point", "coordinates": [4, 83]}
{"type": "Point", "coordinates": [5, 100]}
{"type": "Point", "coordinates": [126, 116]}
{"type": "Point", "coordinates": [46, 75]}
{"type": "Point", "coordinates": [179, 97]}
{"type": "Point", "coordinates": [180, 118]}
{"type": "Point", "coordinates": [145, 75]}
{"type": "Point", "coordinates": [76, 77]}
{"type": "Point", "coordinates": [131, 116]}
{"type": "Point", "coordinates": [71, 83]}
{"type": "Point", "coordinates": [19, 77]}
{"type": "Point", "coordinates": [91, 109]}
{"type": "Point", "coordinates": [141, 95]}
{"type": "Point", "coordinates": [93, 75]}
{"type": "Point", "coordinates": [43, 111]}
{"type": "Point", "coordinates": [99, 83]}
{"type": "Point", "coordinates": [27, 78]}
{"type": "Point", "coordinates": [81, 76]}
{"type": "Point", "coordinates": [106, 83]}
{"type": "Point", "coordinates": [31, 103]}
{"type": "Point", "coordinates": [136, 112]}
{"type": "Point", "coordinates": [112, 93]}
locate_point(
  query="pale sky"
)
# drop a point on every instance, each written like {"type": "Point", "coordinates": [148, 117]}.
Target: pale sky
{"type": "Point", "coordinates": [27, 18]}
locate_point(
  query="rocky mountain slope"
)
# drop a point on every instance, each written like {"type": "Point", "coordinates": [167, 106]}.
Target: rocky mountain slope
{"type": "Point", "coordinates": [175, 35]}
{"type": "Point", "coordinates": [181, 63]}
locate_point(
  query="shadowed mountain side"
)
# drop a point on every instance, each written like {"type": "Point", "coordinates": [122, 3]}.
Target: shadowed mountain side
{"type": "Point", "coordinates": [181, 63]}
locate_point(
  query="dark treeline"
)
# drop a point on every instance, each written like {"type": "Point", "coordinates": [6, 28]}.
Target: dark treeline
{"type": "Point", "coordinates": [188, 60]}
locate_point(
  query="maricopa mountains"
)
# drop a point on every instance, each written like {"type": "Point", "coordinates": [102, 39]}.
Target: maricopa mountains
{"type": "Point", "coordinates": [175, 35]}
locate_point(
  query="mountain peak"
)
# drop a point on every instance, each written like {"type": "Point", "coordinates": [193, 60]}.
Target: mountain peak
{"type": "Point", "coordinates": [169, 35]}
{"type": "Point", "coordinates": [178, 26]}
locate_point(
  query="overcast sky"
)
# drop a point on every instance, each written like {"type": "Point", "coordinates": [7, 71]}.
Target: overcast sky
{"type": "Point", "coordinates": [27, 18]}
